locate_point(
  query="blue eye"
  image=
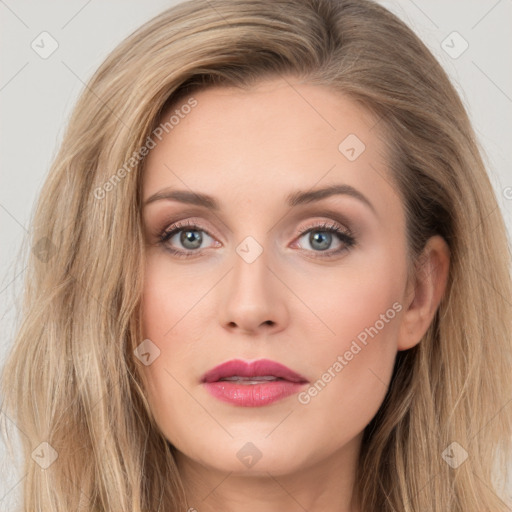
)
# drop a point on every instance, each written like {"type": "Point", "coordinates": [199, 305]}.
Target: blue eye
{"type": "Point", "coordinates": [191, 236]}
{"type": "Point", "coordinates": [321, 237]}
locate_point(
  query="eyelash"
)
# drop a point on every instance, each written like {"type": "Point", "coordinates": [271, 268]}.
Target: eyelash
{"type": "Point", "coordinates": [345, 236]}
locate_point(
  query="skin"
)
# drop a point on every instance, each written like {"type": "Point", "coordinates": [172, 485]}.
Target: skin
{"type": "Point", "coordinates": [249, 149]}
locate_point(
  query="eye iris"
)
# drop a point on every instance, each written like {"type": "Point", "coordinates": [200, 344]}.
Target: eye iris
{"type": "Point", "coordinates": [191, 236]}
{"type": "Point", "coordinates": [323, 237]}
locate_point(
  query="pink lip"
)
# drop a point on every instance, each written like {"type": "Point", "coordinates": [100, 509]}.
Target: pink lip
{"type": "Point", "coordinates": [256, 368]}
{"type": "Point", "coordinates": [252, 395]}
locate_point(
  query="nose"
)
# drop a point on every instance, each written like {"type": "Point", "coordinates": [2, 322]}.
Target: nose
{"type": "Point", "coordinates": [253, 298]}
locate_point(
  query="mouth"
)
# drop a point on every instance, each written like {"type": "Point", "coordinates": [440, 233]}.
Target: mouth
{"type": "Point", "coordinates": [250, 380]}
{"type": "Point", "coordinates": [255, 372]}
{"type": "Point", "coordinates": [252, 384]}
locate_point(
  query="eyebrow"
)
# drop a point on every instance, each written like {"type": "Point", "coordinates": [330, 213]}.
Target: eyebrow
{"type": "Point", "coordinates": [293, 199]}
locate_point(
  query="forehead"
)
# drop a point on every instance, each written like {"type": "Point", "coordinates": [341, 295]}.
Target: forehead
{"type": "Point", "coordinates": [272, 138]}
{"type": "Point", "coordinates": [277, 102]}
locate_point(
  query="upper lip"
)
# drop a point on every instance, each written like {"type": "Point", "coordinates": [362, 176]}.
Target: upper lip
{"type": "Point", "coordinates": [258, 368]}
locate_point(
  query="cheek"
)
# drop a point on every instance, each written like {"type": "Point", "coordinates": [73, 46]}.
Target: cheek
{"type": "Point", "coordinates": [360, 300]}
{"type": "Point", "coordinates": [365, 309]}
{"type": "Point", "coordinates": [170, 320]}
{"type": "Point", "coordinates": [168, 294]}
{"type": "Point", "coordinates": [353, 364]}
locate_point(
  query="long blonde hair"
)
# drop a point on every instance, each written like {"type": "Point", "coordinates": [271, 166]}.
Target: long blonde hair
{"type": "Point", "coordinates": [72, 380]}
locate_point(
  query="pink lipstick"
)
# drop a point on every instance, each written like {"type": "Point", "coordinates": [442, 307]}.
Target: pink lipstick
{"type": "Point", "coordinates": [252, 384]}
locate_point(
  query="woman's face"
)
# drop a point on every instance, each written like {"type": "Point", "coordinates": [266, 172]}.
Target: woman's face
{"type": "Point", "coordinates": [262, 275]}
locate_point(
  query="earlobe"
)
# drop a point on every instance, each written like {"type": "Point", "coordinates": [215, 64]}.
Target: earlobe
{"type": "Point", "coordinates": [425, 293]}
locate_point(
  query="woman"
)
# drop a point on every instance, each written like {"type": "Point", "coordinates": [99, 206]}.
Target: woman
{"type": "Point", "coordinates": [268, 272]}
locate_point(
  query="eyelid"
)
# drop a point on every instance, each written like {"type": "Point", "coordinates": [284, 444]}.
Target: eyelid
{"type": "Point", "coordinates": [330, 214]}
{"type": "Point", "coordinates": [330, 222]}
{"type": "Point", "coordinates": [170, 225]}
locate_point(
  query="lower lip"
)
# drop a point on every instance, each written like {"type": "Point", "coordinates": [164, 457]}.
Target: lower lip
{"type": "Point", "coordinates": [252, 395]}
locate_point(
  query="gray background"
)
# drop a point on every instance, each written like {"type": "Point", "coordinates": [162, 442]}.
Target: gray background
{"type": "Point", "coordinates": [37, 95]}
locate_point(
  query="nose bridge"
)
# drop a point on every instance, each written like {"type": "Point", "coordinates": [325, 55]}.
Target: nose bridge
{"type": "Point", "coordinates": [250, 270]}
{"type": "Point", "coordinates": [251, 297]}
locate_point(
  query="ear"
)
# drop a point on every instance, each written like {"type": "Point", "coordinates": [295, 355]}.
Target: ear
{"type": "Point", "coordinates": [424, 292]}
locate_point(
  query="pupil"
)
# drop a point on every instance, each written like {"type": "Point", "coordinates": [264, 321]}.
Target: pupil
{"type": "Point", "coordinates": [324, 239]}
{"type": "Point", "coordinates": [191, 237]}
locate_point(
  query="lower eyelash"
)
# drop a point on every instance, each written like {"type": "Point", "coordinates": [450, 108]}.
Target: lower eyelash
{"type": "Point", "coordinates": [344, 236]}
